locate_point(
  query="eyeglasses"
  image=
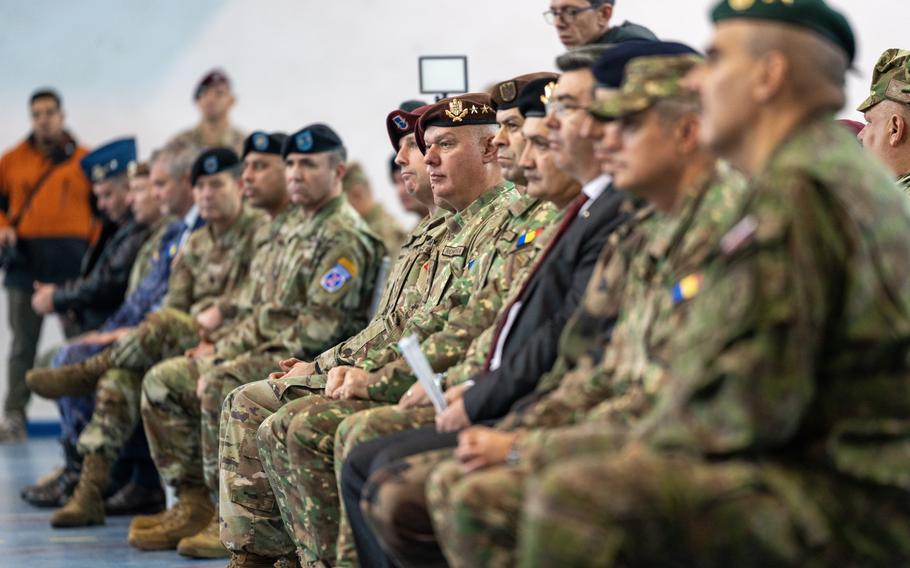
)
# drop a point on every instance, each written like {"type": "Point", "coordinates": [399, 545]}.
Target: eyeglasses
{"type": "Point", "coordinates": [568, 14]}
{"type": "Point", "coordinates": [559, 109]}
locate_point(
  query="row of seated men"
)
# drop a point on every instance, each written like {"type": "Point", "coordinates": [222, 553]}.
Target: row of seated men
{"type": "Point", "coordinates": [667, 294]}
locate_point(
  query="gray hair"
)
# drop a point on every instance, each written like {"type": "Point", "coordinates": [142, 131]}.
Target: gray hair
{"type": "Point", "coordinates": [583, 57]}
{"type": "Point", "coordinates": [178, 157]}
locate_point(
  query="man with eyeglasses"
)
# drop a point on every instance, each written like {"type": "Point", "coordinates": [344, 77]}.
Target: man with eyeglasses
{"type": "Point", "coordinates": [586, 22]}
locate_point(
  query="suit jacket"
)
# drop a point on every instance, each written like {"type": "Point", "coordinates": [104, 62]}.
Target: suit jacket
{"type": "Point", "coordinates": [550, 298]}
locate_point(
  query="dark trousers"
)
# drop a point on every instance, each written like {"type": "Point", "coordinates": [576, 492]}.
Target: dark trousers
{"type": "Point", "coordinates": [26, 329]}
{"type": "Point", "coordinates": [369, 457]}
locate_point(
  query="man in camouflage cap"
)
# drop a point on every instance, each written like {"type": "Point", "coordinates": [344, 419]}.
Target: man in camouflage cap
{"type": "Point", "coordinates": [779, 440]}
{"type": "Point", "coordinates": [887, 113]}
{"type": "Point", "coordinates": [475, 499]}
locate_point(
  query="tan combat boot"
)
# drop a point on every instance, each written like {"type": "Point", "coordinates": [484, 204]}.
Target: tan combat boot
{"type": "Point", "coordinates": [70, 380]}
{"type": "Point", "coordinates": [142, 522]}
{"type": "Point", "coordinates": [249, 560]}
{"type": "Point", "coordinates": [86, 506]}
{"type": "Point", "coordinates": [205, 544]}
{"type": "Point", "coordinates": [192, 513]}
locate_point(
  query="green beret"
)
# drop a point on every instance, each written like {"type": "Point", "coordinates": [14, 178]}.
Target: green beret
{"type": "Point", "coordinates": [890, 80]}
{"type": "Point", "coordinates": [814, 15]}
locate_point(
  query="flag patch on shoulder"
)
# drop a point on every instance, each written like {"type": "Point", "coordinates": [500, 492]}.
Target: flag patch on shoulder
{"type": "Point", "coordinates": [687, 288]}
{"type": "Point", "coordinates": [527, 238]}
{"type": "Point", "coordinates": [338, 275]}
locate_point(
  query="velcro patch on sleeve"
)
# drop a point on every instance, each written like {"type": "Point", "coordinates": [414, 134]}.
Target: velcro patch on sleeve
{"type": "Point", "coordinates": [338, 275]}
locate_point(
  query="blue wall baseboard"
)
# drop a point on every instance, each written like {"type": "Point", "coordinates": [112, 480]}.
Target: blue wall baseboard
{"type": "Point", "coordinates": [44, 429]}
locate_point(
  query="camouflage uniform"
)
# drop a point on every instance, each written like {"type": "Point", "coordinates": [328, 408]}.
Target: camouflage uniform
{"type": "Point", "coordinates": [303, 303]}
{"type": "Point", "coordinates": [192, 137]}
{"type": "Point", "coordinates": [620, 385]}
{"type": "Point", "coordinates": [891, 81]}
{"type": "Point", "coordinates": [206, 267]}
{"type": "Point", "coordinates": [387, 228]}
{"type": "Point", "coordinates": [781, 425]}
{"type": "Point", "coordinates": [251, 519]}
{"type": "Point", "coordinates": [309, 455]}
{"type": "Point", "coordinates": [503, 270]}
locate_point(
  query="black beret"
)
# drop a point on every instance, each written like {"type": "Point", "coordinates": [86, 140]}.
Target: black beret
{"type": "Point", "coordinates": [264, 142]}
{"type": "Point", "coordinates": [610, 68]}
{"type": "Point", "coordinates": [212, 161]}
{"type": "Point", "coordinates": [312, 139]}
{"type": "Point", "coordinates": [505, 94]}
{"type": "Point", "coordinates": [813, 15]}
{"type": "Point", "coordinates": [533, 98]}
{"type": "Point", "coordinates": [410, 104]}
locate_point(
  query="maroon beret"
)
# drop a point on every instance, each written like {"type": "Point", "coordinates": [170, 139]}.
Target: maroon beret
{"type": "Point", "coordinates": [505, 94]}
{"type": "Point", "coordinates": [463, 110]}
{"type": "Point", "coordinates": [400, 123]}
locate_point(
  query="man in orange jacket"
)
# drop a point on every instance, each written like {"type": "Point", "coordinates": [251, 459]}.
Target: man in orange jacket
{"type": "Point", "coordinates": [46, 223]}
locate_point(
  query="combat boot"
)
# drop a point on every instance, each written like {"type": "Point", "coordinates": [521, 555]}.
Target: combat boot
{"type": "Point", "coordinates": [142, 522]}
{"type": "Point", "coordinates": [249, 560]}
{"type": "Point", "coordinates": [191, 514]}
{"type": "Point", "coordinates": [206, 544]}
{"type": "Point", "coordinates": [85, 507]}
{"type": "Point", "coordinates": [70, 380]}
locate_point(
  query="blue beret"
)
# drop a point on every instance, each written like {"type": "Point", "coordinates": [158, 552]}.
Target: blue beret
{"type": "Point", "coordinates": [109, 160]}
{"type": "Point", "coordinates": [264, 142]}
{"type": "Point", "coordinates": [610, 68]}
{"type": "Point", "coordinates": [212, 161]}
{"type": "Point", "coordinates": [312, 139]}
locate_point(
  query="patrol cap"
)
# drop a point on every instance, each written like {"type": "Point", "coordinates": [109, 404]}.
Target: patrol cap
{"type": "Point", "coordinates": [609, 69]}
{"type": "Point", "coordinates": [312, 139]}
{"type": "Point", "coordinates": [505, 94]}
{"type": "Point", "coordinates": [264, 142]}
{"type": "Point", "coordinates": [411, 104]}
{"type": "Point", "coordinates": [109, 160]}
{"type": "Point", "coordinates": [647, 81]}
{"type": "Point", "coordinates": [400, 123]}
{"type": "Point", "coordinates": [463, 110]}
{"type": "Point", "coordinates": [213, 77]}
{"type": "Point", "coordinates": [213, 161]}
{"type": "Point", "coordinates": [814, 15]}
{"type": "Point", "coordinates": [890, 79]}
{"type": "Point", "coordinates": [533, 98]}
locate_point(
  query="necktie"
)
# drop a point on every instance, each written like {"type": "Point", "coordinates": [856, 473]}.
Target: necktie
{"type": "Point", "coordinates": [570, 217]}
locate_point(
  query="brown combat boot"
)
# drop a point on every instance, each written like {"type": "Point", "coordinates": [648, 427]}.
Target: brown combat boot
{"type": "Point", "coordinates": [249, 560]}
{"type": "Point", "coordinates": [191, 514]}
{"type": "Point", "coordinates": [205, 544]}
{"type": "Point", "coordinates": [70, 380]}
{"type": "Point", "coordinates": [86, 506]}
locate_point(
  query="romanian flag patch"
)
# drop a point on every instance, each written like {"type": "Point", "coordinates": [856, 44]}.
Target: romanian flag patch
{"type": "Point", "coordinates": [687, 288]}
{"type": "Point", "coordinates": [527, 238]}
{"type": "Point", "coordinates": [338, 275]}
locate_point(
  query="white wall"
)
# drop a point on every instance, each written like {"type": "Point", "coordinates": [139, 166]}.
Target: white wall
{"type": "Point", "coordinates": [128, 67]}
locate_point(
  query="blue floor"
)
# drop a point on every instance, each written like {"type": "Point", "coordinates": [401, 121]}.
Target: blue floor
{"type": "Point", "coordinates": [28, 541]}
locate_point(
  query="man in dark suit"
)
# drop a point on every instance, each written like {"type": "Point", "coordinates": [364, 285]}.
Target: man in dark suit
{"type": "Point", "coordinates": [525, 345]}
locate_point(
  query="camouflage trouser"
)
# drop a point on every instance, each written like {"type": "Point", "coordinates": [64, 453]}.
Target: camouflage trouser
{"type": "Point", "coordinates": [250, 518]}
{"type": "Point", "coordinates": [75, 411]}
{"type": "Point", "coordinates": [165, 333]}
{"type": "Point", "coordinates": [297, 446]}
{"type": "Point", "coordinates": [116, 414]}
{"type": "Point", "coordinates": [363, 427]}
{"type": "Point", "coordinates": [475, 515]}
{"type": "Point", "coordinates": [395, 507]}
{"type": "Point", "coordinates": [182, 429]}
{"type": "Point", "coordinates": [640, 509]}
